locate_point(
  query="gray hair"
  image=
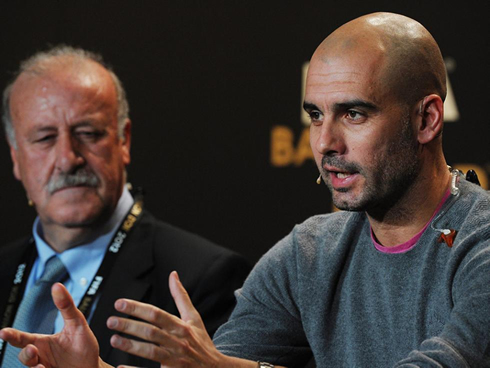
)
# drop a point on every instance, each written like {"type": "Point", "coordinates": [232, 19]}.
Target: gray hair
{"type": "Point", "coordinates": [36, 64]}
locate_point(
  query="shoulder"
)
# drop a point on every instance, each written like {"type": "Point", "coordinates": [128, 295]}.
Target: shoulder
{"type": "Point", "coordinates": [10, 257]}
{"type": "Point", "coordinates": [193, 256]}
{"type": "Point", "coordinates": [468, 215]}
{"type": "Point", "coordinates": [289, 271]}
{"type": "Point", "coordinates": [13, 251]}
{"type": "Point", "coordinates": [320, 237]}
{"type": "Point", "coordinates": [474, 196]}
{"type": "Point", "coordinates": [328, 225]}
{"type": "Point", "coordinates": [321, 232]}
{"type": "Point", "coordinates": [470, 210]}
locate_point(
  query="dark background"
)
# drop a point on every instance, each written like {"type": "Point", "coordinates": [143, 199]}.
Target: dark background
{"type": "Point", "coordinates": [208, 80]}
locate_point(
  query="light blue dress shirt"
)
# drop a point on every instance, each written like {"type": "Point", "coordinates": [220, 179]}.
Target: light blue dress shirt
{"type": "Point", "coordinates": [82, 262]}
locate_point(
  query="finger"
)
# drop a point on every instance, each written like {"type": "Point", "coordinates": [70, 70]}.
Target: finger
{"type": "Point", "coordinates": [29, 355]}
{"type": "Point", "coordinates": [143, 330]}
{"type": "Point", "coordinates": [182, 300]}
{"type": "Point", "coordinates": [140, 348]}
{"type": "Point", "coordinates": [17, 338]}
{"type": "Point", "coordinates": [148, 313]}
{"type": "Point", "coordinates": [64, 302]}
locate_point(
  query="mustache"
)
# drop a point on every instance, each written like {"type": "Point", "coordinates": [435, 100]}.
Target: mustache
{"type": "Point", "coordinates": [79, 178]}
{"type": "Point", "coordinates": [340, 163]}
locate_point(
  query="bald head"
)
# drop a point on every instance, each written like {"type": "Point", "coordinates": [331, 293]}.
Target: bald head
{"type": "Point", "coordinates": [408, 58]}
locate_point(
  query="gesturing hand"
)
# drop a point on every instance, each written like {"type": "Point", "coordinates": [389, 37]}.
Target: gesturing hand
{"type": "Point", "coordinates": [74, 347]}
{"type": "Point", "coordinates": [171, 341]}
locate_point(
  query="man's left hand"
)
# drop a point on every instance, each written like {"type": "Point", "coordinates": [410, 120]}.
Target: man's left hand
{"type": "Point", "coordinates": [74, 347]}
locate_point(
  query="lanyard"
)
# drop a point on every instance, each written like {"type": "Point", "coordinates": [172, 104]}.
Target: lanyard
{"type": "Point", "coordinates": [20, 278]}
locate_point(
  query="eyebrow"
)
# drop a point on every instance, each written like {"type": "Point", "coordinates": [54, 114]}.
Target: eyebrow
{"type": "Point", "coordinates": [307, 106]}
{"type": "Point", "coordinates": [341, 106]}
{"type": "Point", "coordinates": [82, 124]}
{"type": "Point", "coordinates": [354, 103]}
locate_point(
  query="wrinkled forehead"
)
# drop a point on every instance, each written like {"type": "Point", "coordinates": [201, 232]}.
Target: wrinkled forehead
{"type": "Point", "coordinates": [41, 103]}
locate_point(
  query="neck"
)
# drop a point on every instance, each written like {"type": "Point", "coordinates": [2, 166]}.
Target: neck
{"type": "Point", "coordinates": [409, 215]}
{"type": "Point", "coordinates": [63, 238]}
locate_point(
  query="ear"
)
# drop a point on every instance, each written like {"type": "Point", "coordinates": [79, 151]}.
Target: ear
{"type": "Point", "coordinates": [126, 142]}
{"type": "Point", "coordinates": [16, 169]}
{"type": "Point", "coordinates": [431, 118]}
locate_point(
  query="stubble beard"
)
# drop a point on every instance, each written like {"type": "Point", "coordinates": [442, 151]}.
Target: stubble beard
{"type": "Point", "coordinates": [387, 179]}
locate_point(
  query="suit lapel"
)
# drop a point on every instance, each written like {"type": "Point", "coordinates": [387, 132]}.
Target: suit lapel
{"type": "Point", "coordinates": [129, 279]}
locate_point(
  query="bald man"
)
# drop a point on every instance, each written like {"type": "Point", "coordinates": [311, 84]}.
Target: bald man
{"type": "Point", "coordinates": [400, 278]}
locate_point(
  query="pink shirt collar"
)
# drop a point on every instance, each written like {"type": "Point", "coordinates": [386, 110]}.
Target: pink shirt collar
{"type": "Point", "coordinates": [405, 247]}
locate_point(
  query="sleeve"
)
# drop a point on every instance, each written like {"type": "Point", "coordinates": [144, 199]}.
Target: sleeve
{"type": "Point", "coordinates": [465, 338]}
{"type": "Point", "coordinates": [266, 324]}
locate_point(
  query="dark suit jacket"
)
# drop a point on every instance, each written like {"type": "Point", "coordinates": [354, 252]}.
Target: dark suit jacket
{"type": "Point", "coordinates": [152, 250]}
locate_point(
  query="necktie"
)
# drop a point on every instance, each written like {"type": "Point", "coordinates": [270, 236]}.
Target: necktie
{"type": "Point", "coordinates": [37, 311]}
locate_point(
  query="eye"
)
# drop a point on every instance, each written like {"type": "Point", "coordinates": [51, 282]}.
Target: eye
{"type": "Point", "coordinates": [88, 134]}
{"type": "Point", "coordinates": [355, 116]}
{"type": "Point", "coordinates": [315, 116]}
{"type": "Point", "coordinates": [45, 138]}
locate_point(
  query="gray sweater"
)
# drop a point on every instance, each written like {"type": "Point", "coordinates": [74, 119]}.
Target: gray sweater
{"type": "Point", "coordinates": [325, 290]}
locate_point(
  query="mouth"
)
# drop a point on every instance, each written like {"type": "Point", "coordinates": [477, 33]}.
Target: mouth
{"type": "Point", "coordinates": [339, 172]}
{"type": "Point", "coordinates": [341, 179]}
{"type": "Point", "coordinates": [71, 187]}
{"type": "Point", "coordinates": [342, 175]}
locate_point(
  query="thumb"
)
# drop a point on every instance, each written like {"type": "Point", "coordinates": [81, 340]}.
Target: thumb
{"type": "Point", "coordinates": [64, 302]}
{"type": "Point", "coordinates": [183, 302]}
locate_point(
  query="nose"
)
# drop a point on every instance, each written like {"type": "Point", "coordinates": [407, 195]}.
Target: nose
{"type": "Point", "coordinates": [327, 139]}
{"type": "Point", "coordinates": [68, 156]}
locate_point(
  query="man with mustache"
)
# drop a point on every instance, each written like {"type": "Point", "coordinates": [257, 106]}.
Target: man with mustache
{"type": "Point", "coordinates": [399, 279]}
{"type": "Point", "coordinates": [67, 123]}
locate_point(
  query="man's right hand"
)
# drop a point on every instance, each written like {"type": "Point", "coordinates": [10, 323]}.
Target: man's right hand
{"type": "Point", "coordinates": [173, 342]}
{"type": "Point", "coordinates": [74, 347]}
